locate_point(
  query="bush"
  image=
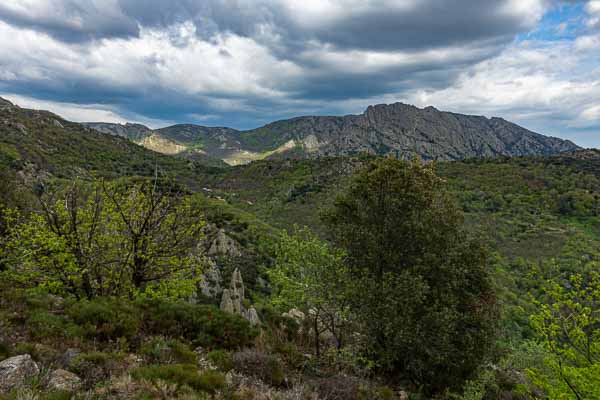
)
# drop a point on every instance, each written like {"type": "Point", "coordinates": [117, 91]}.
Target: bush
{"type": "Point", "coordinates": [4, 351]}
{"type": "Point", "coordinates": [204, 325]}
{"type": "Point", "coordinates": [43, 324]}
{"type": "Point", "coordinates": [265, 367]}
{"type": "Point", "coordinates": [339, 387]}
{"type": "Point", "coordinates": [221, 359]}
{"type": "Point", "coordinates": [38, 352]}
{"type": "Point", "coordinates": [105, 319]}
{"type": "Point", "coordinates": [182, 375]}
{"type": "Point", "coordinates": [95, 366]}
{"type": "Point", "coordinates": [159, 350]}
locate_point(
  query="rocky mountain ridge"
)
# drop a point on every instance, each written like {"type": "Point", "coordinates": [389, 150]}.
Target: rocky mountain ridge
{"type": "Point", "coordinates": [400, 130]}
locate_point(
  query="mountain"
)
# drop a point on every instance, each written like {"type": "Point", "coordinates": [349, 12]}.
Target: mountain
{"type": "Point", "coordinates": [397, 129]}
{"type": "Point", "coordinates": [42, 144]}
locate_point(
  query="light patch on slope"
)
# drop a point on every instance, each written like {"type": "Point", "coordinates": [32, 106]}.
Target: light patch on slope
{"type": "Point", "coordinates": [240, 157]}
{"type": "Point", "coordinates": [160, 144]}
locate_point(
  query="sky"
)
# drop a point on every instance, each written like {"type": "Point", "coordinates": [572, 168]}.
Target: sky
{"type": "Point", "coordinates": [244, 63]}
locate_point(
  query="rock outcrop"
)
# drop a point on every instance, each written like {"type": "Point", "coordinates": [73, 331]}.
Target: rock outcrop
{"type": "Point", "coordinates": [15, 370]}
{"type": "Point", "coordinates": [232, 299]}
{"type": "Point", "coordinates": [223, 245]}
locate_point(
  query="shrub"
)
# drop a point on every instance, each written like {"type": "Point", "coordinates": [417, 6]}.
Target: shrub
{"type": "Point", "coordinates": [182, 375]}
{"type": "Point", "coordinates": [339, 387]}
{"type": "Point", "coordinates": [43, 324]}
{"type": "Point", "coordinates": [265, 367]}
{"type": "Point", "coordinates": [95, 366]}
{"type": "Point", "coordinates": [105, 319]}
{"type": "Point", "coordinates": [159, 350]}
{"type": "Point", "coordinates": [38, 352]}
{"type": "Point", "coordinates": [4, 351]}
{"type": "Point", "coordinates": [221, 359]}
{"type": "Point", "coordinates": [204, 325]}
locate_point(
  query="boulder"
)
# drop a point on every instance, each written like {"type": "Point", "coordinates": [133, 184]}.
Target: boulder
{"type": "Point", "coordinates": [15, 370]}
{"type": "Point", "coordinates": [64, 381]}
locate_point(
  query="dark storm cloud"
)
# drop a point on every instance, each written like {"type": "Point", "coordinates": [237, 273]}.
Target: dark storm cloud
{"type": "Point", "coordinates": [374, 25]}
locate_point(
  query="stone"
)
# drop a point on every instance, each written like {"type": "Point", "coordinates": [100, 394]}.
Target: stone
{"type": "Point", "coordinates": [296, 315]}
{"type": "Point", "coordinates": [252, 316]}
{"type": "Point", "coordinates": [237, 291]}
{"type": "Point", "coordinates": [226, 302]}
{"type": "Point", "coordinates": [210, 284]}
{"type": "Point", "coordinates": [223, 245]}
{"type": "Point", "coordinates": [64, 381]}
{"type": "Point", "coordinates": [15, 370]}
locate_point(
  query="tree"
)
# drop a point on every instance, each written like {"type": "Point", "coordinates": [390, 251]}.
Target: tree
{"type": "Point", "coordinates": [117, 239]}
{"type": "Point", "coordinates": [309, 275]}
{"type": "Point", "coordinates": [423, 295]}
{"type": "Point", "coordinates": [568, 325]}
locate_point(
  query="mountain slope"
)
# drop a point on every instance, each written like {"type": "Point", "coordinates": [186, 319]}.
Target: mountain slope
{"type": "Point", "coordinates": [39, 143]}
{"type": "Point", "coordinates": [400, 130]}
{"type": "Point", "coordinates": [403, 131]}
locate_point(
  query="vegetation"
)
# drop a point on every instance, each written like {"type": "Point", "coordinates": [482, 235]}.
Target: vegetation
{"type": "Point", "coordinates": [462, 280]}
{"type": "Point", "coordinates": [108, 239]}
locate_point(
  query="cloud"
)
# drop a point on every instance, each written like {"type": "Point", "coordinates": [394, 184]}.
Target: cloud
{"type": "Point", "coordinates": [70, 20]}
{"type": "Point", "coordinates": [82, 113]}
{"type": "Point", "coordinates": [243, 63]}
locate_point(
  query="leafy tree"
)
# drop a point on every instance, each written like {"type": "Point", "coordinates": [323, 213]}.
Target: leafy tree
{"type": "Point", "coordinates": [569, 327]}
{"type": "Point", "coordinates": [116, 239]}
{"type": "Point", "coordinates": [309, 275]}
{"type": "Point", "coordinates": [423, 295]}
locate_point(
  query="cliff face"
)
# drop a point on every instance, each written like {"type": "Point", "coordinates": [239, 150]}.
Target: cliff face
{"type": "Point", "coordinates": [397, 129]}
{"type": "Point", "coordinates": [403, 131]}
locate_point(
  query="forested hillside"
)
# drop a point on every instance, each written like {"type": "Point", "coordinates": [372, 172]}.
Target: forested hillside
{"type": "Point", "coordinates": [130, 274]}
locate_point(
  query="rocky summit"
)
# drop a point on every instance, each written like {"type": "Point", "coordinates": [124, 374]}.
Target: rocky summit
{"type": "Point", "coordinates": [400, 130]}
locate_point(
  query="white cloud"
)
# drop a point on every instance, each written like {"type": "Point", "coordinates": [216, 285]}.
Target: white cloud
{"type": "Point", "coordinates": [82, 112]}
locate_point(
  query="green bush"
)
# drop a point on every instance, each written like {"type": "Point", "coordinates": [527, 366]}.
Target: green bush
{"type": "Point", "coordinates": [204, 325]}
{"type": "Point", "coordinates": [42, 324]}
{"type": "Point", "coordinates": [159, 350]}
{"type": "Point", "coordinates": [182, 375]}
{"type": "Point", "coordinates": [38, 352]}
{"type": "Point", "coordinates": [4, 351]}
{"type": "Point", "coordinates": [105, 319]}
{"type": "Point", "coordinates": [221, 359]}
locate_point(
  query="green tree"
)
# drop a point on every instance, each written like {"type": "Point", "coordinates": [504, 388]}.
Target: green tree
{"type": "Point", "coordinates": [309, 275]}
{"type": "Point", "coordinates": [423, 295]}
{"type": "Point", "coordinates": [109, 239]}
{"type": "Point", "coordinates": [568, 325]}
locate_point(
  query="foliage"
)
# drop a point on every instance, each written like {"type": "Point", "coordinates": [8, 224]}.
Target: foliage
{"type": "Point", "coordinates": [109, 239]}
{"type": "Point", "coordinates": [204, 325]}
{"type": "Point", "coordinates": [221, 359]}
{"type": "Point", "coordinates": [159, 350]}
{"type": "Point", "coordinates": [423, 293]}
{"type": "Point", "coordinates": [569, 326]}
{"type": "Point", "coordinates": [182, 375]}
{"type": "Point", "coordinates": [105, 318]}
{"type": "Point", "coordinates": [310, 276]}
